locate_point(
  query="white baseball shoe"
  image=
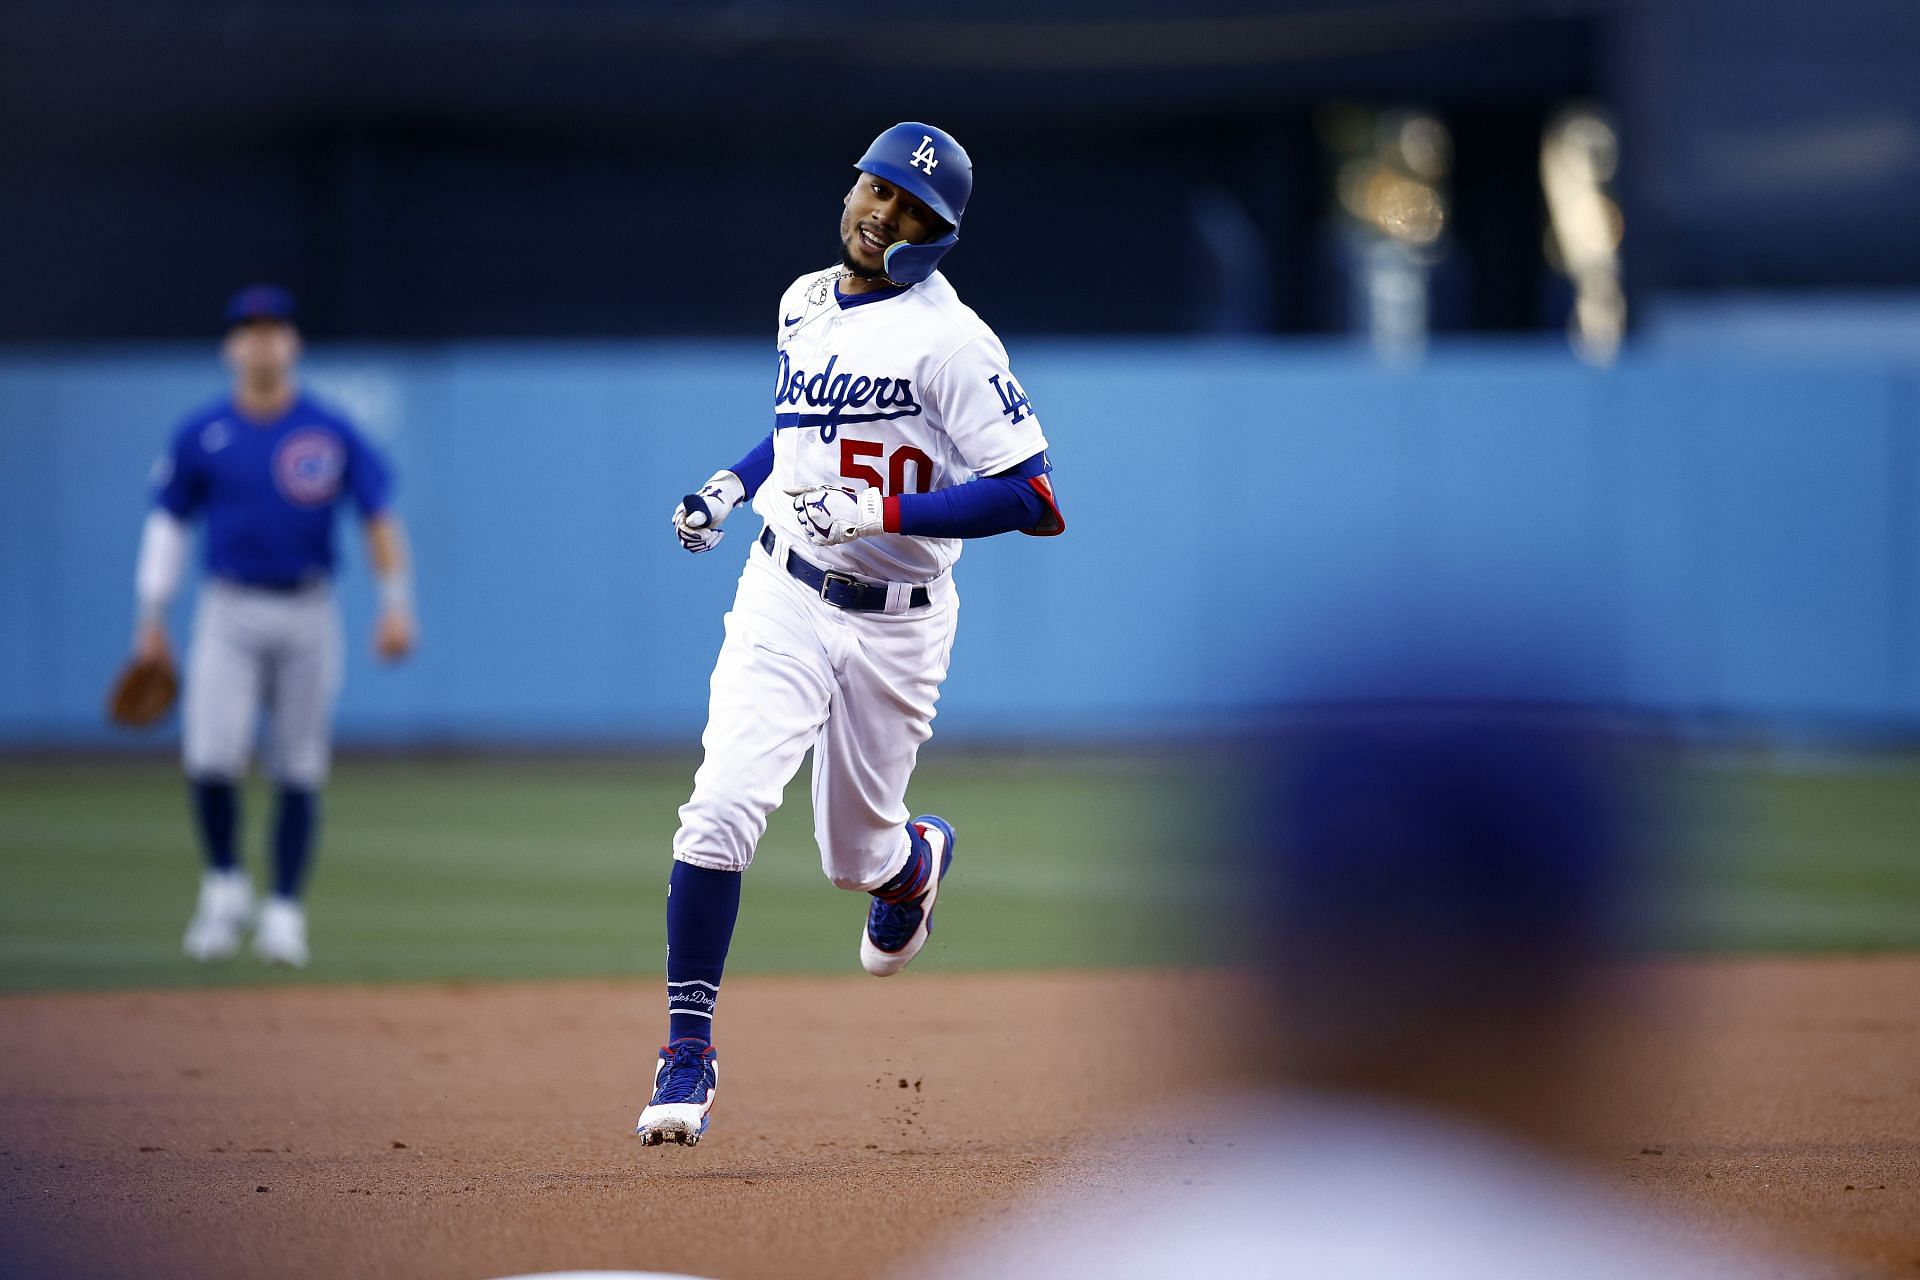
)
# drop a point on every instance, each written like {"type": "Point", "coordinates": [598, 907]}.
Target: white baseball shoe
{"type": "Point", "coordinates": [225, 907]}
{"type": "Point", "coordinates": [280, 937]}
{"type": "Point", "coordinates": [685, 1081]}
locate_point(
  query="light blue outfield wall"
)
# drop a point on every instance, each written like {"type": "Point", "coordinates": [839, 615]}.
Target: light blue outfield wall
{"type": "Point", "coordinates": [1739, 537]}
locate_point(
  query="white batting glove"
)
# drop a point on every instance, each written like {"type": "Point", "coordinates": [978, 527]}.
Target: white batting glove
{"type": "Point", "coordinates": [831, 516]}
{"type": "Point", "coordinates": [697, 520]}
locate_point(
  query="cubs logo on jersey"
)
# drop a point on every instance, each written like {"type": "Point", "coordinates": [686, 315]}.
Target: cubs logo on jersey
{"type": "Point", "coordinates": [308, 467]}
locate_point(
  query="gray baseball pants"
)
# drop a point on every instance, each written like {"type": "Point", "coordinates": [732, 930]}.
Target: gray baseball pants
{"type": "Point", "coordinates": [255, 650]}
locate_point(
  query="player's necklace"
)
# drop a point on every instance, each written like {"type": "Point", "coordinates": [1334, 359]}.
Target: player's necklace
{"type": "Point", "coordinates": [882, 281]}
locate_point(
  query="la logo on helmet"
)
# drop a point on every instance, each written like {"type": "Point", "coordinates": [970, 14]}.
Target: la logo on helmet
{"type": "Point", "coordinates": [924, 156]}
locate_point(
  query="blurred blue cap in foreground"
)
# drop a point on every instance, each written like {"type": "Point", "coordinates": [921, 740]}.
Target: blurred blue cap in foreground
{"type": "Point", "coordinates": [259, 302]}
{"type": "Point", "coordinates": [1444, 828]}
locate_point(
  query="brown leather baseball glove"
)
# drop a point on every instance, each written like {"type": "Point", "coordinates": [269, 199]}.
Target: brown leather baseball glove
{"type": "Point", "coordinates": [143, 692]}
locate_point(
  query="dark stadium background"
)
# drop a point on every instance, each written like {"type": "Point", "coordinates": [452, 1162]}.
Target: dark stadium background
{"type": "Point", "coordinates": [422, 170]}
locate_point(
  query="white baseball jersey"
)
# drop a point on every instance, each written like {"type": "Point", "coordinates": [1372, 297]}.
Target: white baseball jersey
{"type": "Point", "coordinates": [909, 392]}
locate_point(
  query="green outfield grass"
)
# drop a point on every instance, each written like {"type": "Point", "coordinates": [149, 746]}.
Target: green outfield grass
{"type": "Point", "coordinates": [1807, 855]}
{"type": "Point", "coordinates": [490, 868]}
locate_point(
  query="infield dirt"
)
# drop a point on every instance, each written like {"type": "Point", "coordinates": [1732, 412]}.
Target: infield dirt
{"type": "Point", "coordinates": [478, 1131]}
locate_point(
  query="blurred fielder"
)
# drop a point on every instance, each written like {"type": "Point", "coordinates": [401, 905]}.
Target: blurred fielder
{"type": "Point", "coordinates": [898, 430]}
{"type": "Point", "coordinates": [1438, 888]}
{"type": "Point", "coordinates": [266, 468]}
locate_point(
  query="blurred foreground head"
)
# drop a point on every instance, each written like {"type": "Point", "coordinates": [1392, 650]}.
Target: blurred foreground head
{"type": "Point", "coordinates": [1435, 881]}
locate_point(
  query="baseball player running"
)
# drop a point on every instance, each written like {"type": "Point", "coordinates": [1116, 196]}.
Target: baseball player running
{"type": "Point", "coordinates": [266, 467]}
{"type": "Point", "coordinates": [898, 430]}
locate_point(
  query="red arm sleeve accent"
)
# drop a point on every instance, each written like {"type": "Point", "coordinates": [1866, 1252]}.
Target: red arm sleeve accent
{"type": "Point", "coordinates": [1054, 523]}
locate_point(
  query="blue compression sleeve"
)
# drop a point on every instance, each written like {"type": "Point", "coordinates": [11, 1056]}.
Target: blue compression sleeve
{"type": "Point", "coordinates": [754, 469]}
{"type": "Point", "coordinates": [977, 509]}
{"type": "Point", "coordinates": [1017, 498]}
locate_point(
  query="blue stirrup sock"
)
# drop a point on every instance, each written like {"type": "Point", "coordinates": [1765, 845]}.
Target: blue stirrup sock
{"type": "Point", "coordinates": [216, 808]}
{"type": "Point", "coordinates": [913, 879]}
{"type": "Point", "coordinates": [702, 905]}
{"type": "Point", "coordinates": [293, 840]}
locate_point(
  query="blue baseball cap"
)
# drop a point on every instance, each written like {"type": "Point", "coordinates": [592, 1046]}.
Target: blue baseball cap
{"type": "Point", "coordinates": [259, 302]}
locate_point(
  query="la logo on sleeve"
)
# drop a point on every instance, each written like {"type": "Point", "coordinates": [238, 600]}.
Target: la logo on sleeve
{"type": "Point", "coordinates": [1013, 401]}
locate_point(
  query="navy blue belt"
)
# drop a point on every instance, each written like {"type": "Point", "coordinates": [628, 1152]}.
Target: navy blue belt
{"type": "Point", "coordinates": [274, 588]}
{"type": "Point", "coordinates": [837, 589]}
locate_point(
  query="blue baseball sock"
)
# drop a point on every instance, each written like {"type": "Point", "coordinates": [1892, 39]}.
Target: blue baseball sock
{"type": "Point", "coordinates": [216, 807]}
{"type": "Point", "coordinates": [293, 840]}
{"type": "Point", "coordinates": [913, 878]}
{"type": "Point", "coordinates": [702, 906]}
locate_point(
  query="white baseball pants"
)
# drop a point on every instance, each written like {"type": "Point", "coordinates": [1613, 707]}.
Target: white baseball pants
{"type": "Point", "coordinates": [794, 673]}
{"type": "Point", "coordinates": [256, 649]}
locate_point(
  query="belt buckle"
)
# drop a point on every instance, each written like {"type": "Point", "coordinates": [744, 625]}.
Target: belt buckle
{"type": "Point", "coordinates": [828, 578]}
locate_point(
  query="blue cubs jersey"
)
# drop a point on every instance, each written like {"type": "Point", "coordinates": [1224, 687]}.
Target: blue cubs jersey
{"type": "Point", "coordinates": [268, 490]}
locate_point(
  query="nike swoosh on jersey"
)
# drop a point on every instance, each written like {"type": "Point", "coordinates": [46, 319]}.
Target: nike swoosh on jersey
{"type": "Point", "coordinates": [790, 322]}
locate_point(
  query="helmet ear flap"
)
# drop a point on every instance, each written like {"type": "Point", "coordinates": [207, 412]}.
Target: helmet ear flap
{"type": "Point", "coordinates": [906, 263]}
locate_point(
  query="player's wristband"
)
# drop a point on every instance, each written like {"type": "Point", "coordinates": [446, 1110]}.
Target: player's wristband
{"type": "Point", "coordinates": [723, 492]}
{"type": "Point", "coordinates": [396, 592]}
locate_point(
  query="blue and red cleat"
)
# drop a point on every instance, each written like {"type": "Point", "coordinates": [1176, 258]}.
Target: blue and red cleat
{"type": "Point", "coordinates": [684, 1083]}
{"type": "Point", "coordinates": [898, 927]}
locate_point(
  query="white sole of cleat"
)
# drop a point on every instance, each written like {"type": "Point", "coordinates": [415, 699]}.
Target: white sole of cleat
{"type": "Point", "coordinates": [661, 1135]}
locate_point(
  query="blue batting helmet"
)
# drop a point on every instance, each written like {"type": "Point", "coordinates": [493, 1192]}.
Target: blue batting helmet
{"type": "Point", "coordinates": [926, 162]}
